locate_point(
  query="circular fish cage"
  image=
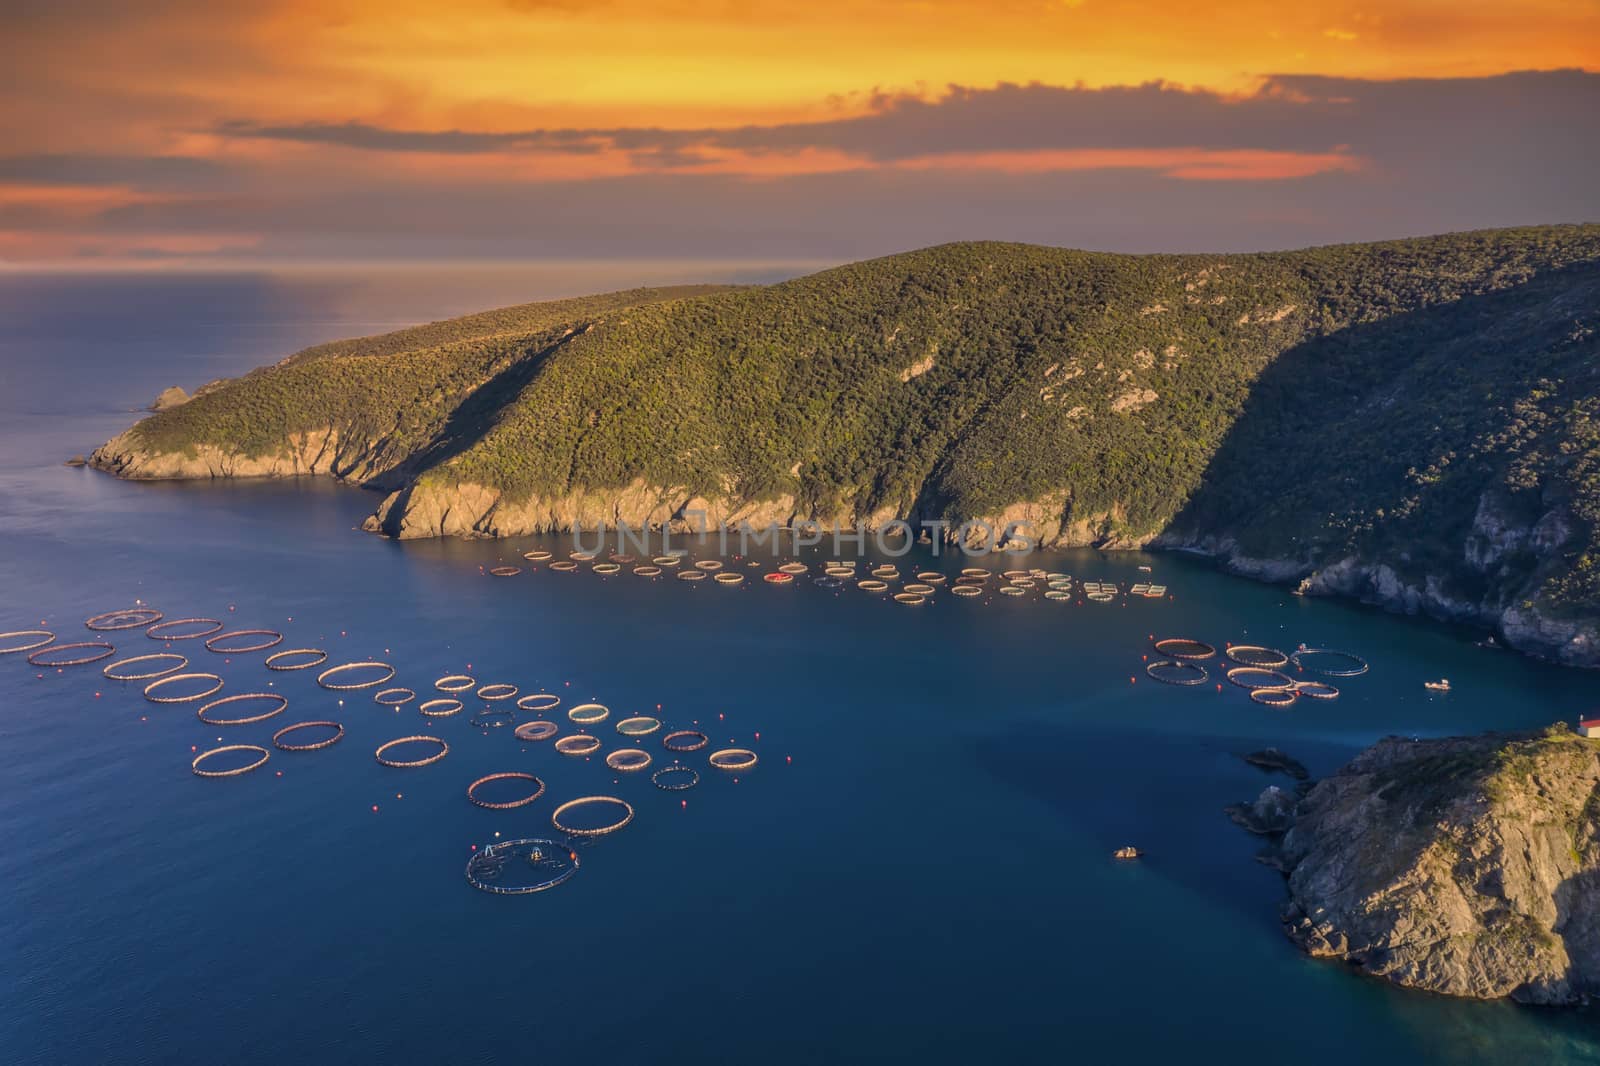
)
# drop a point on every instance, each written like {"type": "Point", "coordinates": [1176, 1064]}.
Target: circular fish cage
{"type": "Point", "coordinates": [116, 671]}
{"type": "Point", "coordinates": [1184, 648]}
{"type": "Point", "coordinates": [336, 680]}
{"type": "Point", "coordinates": [728, 578]}
{"type": "Point", "coordinates": [521, 867]}
{"type": "Point", "coordinates": [733, 759]}
{"type": "Point", "coordinates": [1012, 590]}
{"type": "Point", "coordinates": [606, 569]}
{"type": "Point", "coordinates": [538, 556]}
{"type": "Point", "coordinates": [840, 571]}
{"type": "Point", "coordinates": [1254, 677]}
{"type": "Point", "coordinates": [172, 629]}
{"type": "Point", "coordinates": [919, 589]}
{"type": "Point", "coordinates": [1316, 690]}
{"type": "Point", "coordinates": [154, 691]}
{"type": "Point", "coordinates": [394, 697]}
{"type": "Point", "coordinates": [589, 713]}
{"type": "Point", "coordinates": [536, 731]}
{"type": "Point", "coordinates": [505, 805]}
{"type": "Point", "coordinates": [793, 568]}
{"type": "Point", "coordinates": [777, 578]}
{"type": "Point", "coordinates": [647, 571]}
{"type": "Point", "coordinates": [685, 740]}
{"type": "Point", "coordinates": [692, 575]}
{"type": "Point", "coordinates": [910, 599]}
{"type": "Point", "coordinates": [1344, 664]}
{"type": "Point", "coordinates": [1257, 655]}
{"type": "Point", "coordinates": [409, 764]}
{"type": "Point", "coordinates": [931, 577]}
{"type": "Point", "coordinates": [1174, 672]}
{"type": "Point", "coordinates": [628, 760]}
{"type": "Point", "coordinates": [442, 707]}
{"type": "Point", "coordinates": [872, 585]}
{"type": "Point", "coordinates": [496, 692]}
{"type": "Point", "coordinates": [965, 591]}
{"type": "Point", "coordinates": [84, 653]}
{"type": "Point", "coordinates": [22, 640]}
{"type": "Point", "coordinates": [505, 571]}
{"type": "Point", "coordinates": [310, 745]}
{"type": "Point", "coordinates": [539, 702]}
{"type": "Point", "coordinates": [287, 660]}
{"type": "Point", "coordinates": [265, 638]}
{"type": "Point", "coordinates": [675, 778]}
{"type": "Point", "coordinates": [453, 683]}
{"type": "Point", "coordinates": [638, 726]}
{"type": "Point", "coordinates": [708, 565]}
{"type": "Point", "coordinates": [127, 618]}
{"type": "Point", "coordinates": [577, 745]}
{"type": "Point", "coordinates": [280, 703]}
{"type": "Point", "coordinates": [199, 770]}
{"type": "Point", "coordinates": [1058, 595]}
{"type": "Point", "coordinates": [625, 815]}
{"type": "Point", "coordinates": [563, 566]}
{"type": "Point", "coordinates": [1273, 697]}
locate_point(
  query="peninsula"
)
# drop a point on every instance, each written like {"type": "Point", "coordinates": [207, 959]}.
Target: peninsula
{"type": "Point", "coordinates": [1411, 423]}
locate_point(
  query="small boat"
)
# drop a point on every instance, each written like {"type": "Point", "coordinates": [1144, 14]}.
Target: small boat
{"type": "Point", "coordinates": [1128, 852]}
{"type": "Point", "coordinates": [1146, 569]}
{"type": "Point", "coordinates": [1441, 685]}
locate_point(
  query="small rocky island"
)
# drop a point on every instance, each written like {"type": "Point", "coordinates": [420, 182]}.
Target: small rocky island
{"type": "Point", "coordinates": [1468, 866]}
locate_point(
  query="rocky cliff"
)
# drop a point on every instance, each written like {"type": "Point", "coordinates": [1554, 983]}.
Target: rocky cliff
{"type": "Point", "coordinates": [1467, 866]}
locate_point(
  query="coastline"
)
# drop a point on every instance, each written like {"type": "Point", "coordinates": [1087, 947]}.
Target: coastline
{"type": "Point", "coordinates": [423, 508]}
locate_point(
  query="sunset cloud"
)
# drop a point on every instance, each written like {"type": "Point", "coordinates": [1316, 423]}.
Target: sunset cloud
{"type": "Point", "coordinates": [362, 129]}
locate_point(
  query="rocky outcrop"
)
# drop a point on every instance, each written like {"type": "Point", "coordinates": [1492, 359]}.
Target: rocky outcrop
{"type": "Point", "coordinates": [1271, 814]}
{"type": "Point", "coordinates": [170, 397]}
{"type": "Point", "coordinates": [318, 452]}
{"type": "Point", "coordinates": [1468, 866]}
{"type": "Point", "coordinates": [434, 509]}
{"type": "Point", "coordinates": [1274, 761]}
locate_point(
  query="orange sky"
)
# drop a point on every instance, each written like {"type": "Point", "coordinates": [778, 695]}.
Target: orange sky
{"type": "Point", "coordinates": [101, 78]}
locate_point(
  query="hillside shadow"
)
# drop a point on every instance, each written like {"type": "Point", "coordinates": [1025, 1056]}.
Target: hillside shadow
{"type": "Point", "coordinates": [1337, 424]}
{"type": "Point", "coordinates": [475, 416]}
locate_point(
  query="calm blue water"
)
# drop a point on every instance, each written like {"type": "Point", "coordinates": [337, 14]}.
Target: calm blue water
{"type": "Point", "coordinates": [918, 870]}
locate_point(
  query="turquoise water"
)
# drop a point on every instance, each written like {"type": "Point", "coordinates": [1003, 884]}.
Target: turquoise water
{"type": "Point", "coordinates": [918, 870]}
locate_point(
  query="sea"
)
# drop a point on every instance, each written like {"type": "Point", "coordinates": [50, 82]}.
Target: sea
{"type": "Point", "coordinates": [918, 869]}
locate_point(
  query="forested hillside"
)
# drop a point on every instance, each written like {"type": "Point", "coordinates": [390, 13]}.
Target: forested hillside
{"type": "Point", "coordinates": [1411, 421]}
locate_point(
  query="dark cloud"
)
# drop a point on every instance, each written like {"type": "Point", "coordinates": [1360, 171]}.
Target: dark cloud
{"type": "Point", "coordinates": [143, 171]}
{"type": "Point", "coordinates": [1289, 113]}
{"type": "Point", "coordinates": [380, 138]}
